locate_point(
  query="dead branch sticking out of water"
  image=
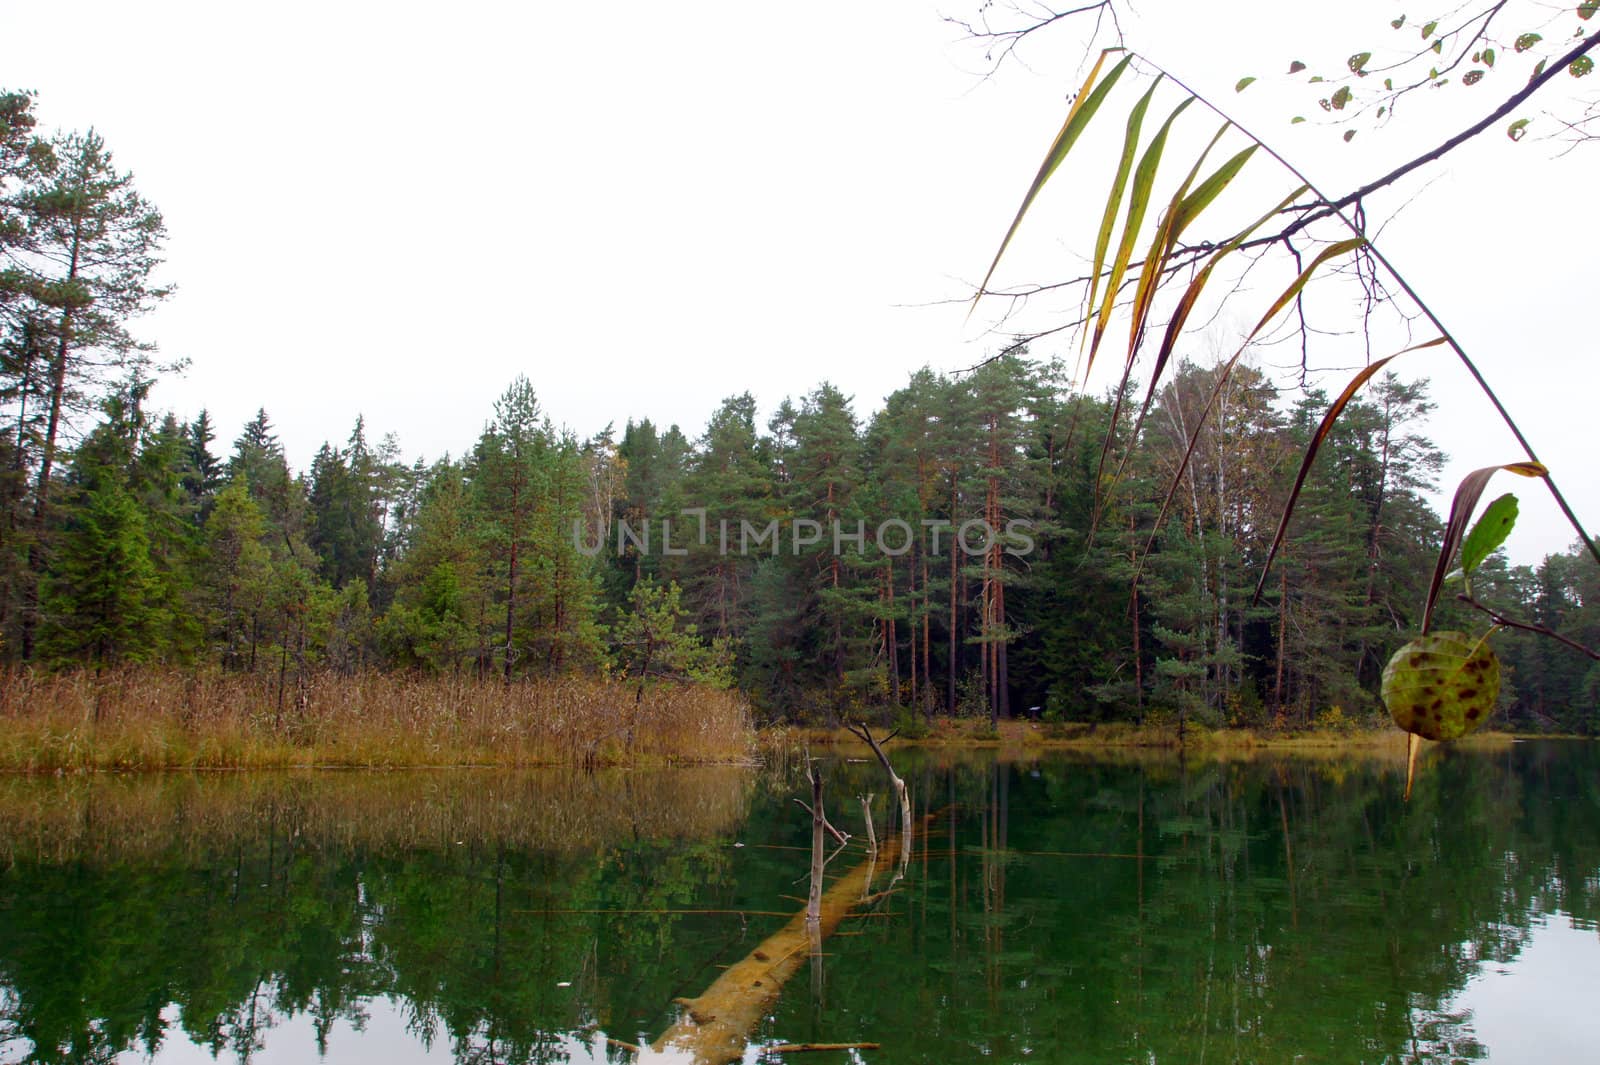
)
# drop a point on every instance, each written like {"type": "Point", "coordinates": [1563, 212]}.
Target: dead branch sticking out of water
{"type": "Point", "coordinates": [865, 733]}
{"type": "Point", "coordinates": [716, 1025]}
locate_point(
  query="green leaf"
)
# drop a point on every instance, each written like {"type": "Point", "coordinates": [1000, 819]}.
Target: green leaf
{"type": "Point", "coordinates": [1587, 9]}
{"type": "Point", "coordinates": [1349, 135]}
{"type": "Point", "coordinates": [1119, 185]}
{"type": "Point", "coordinates": [1488, 54]}
{"type": "Point", "coordinates": [1296, 67]}
{"type": "Point", "coordinates": [1297, 119]}
{"type": "Point", "coordinates": [1527, 41]}
{"type": "Point", "coordinates": [1243, 84]}
{"type": "Point", "coordinates": [1397, 23]}
{"type": "Point", "coordinates": [1580, 66]}
{"type": "Point", "coordinates": [1537, 70]}
{"type": "Point", "coordinates": [1438, 45]}
{"type": "Point", "coordinates": [1443, 686]}
{"type": "Point", "coordinates": [1084, 105]}
{"type": "Point", "coordinates": [1428, 28]}
{"type": "Point", "coordinates": [1340, 98]}
{"type": "Point", "coordinates": [1468, 492]}
{"type": "Point", "coordinates": [1517, 129]}
{"type": "Point", "coordinates": [1472, 77]}
{"type": "Point", "coordinates": [1144, 177]}
{"type": "Point", "coordinates": [1489, 533]}
{"type": "Point", "coordinates": [1184, 208]}
{"type": "Point", "coordinates": [1357, 61]}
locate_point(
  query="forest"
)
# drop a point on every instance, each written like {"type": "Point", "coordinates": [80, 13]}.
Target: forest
{"type": "Point", "coordinates": [132, 537]}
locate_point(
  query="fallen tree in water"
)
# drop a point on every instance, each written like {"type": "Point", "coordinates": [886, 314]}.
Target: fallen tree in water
{"type": "Point", "coordinates": [716, 1025]}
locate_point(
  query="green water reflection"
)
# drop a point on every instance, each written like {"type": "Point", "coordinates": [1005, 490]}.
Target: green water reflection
{"type": "Point", "coordinates": [1062, 910]}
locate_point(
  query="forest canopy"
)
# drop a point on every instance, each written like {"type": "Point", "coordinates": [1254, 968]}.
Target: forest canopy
{"type": "Point", "coordinates": [130, 535]}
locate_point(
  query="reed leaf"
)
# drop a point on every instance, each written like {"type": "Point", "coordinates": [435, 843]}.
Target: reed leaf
{"type": "Point", "coordinates": [1182, 210]}
{"type": "Point", "coordinates": [1119, 186]}
{"type": "Point", "coordinates": [1186, 305]}
{"type": "Point", "coordinates": [1331, 252]}
{"type": "Point", "coordinates": [1144, 178]}
{"type": "Point", "coordinates": [1083, 109]}
{"type": "Point", "coordinates": [1168, 230]}
{"type": "Point", "coordinates": [1317, 438]}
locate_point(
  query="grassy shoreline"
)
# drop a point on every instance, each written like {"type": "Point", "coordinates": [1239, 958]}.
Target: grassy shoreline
{"type": "Point", "coordinates": [1012, 736]}
{"type": "Point", "coordinates": [149, 719]}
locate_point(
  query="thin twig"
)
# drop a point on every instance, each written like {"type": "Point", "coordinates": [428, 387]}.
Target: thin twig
{"type": "Point", "coordinates": [1526, 626]}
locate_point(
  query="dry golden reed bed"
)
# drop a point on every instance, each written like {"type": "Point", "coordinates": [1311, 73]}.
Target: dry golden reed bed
{"type": "Point", "coordinates": [158, 719]}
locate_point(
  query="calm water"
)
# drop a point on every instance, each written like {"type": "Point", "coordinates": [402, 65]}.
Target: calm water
{"type": "Point", "coordinates": [1058, 910]}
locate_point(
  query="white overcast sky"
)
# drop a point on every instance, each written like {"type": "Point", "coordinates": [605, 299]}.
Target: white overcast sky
{"type": "Point", "coordinates": [392, 209]}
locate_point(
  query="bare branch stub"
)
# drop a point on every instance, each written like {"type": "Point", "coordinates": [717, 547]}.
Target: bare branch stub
{"type": "Point", "coordinates": [864, 733]}
{"type": "Point", "coordinates": [842, 837]}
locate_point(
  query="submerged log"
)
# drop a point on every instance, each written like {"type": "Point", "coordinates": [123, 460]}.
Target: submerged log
{"type": "Point", "coordinates": [716, 1025]}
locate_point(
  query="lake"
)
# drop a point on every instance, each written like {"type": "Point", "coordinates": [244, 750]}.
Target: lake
{"type": "Point", "coordinates": [1052, 908]}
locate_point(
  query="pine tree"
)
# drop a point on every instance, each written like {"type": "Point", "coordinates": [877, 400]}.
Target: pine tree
{"type": "Point", "coordinates": [825, 473]}
{"type": "Point", "coordinates": [1083, 627]}
{"type": "Point", "coordinates": [729, 482]}
{"type": "Point", "coordinates": [528, 487]}
{"type": "Point", "coordinates": [160, 478]}
{"type": "Point", "coordinates": [91, 244]}
{"type": "Point", "coordinates": [509, 474]}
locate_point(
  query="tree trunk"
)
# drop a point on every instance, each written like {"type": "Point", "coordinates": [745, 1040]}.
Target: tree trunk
{"type": "Point", "coordinates": [41, 498]}
{"type": "Point", "coordinates": [511, 578]}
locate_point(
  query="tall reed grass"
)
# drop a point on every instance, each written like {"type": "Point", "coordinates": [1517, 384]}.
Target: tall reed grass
{"type": "Point", "coordinates": [148, 718]}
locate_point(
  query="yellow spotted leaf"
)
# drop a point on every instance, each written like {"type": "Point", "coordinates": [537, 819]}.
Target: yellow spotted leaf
{"type": "Point", "coordinates": [1442, 686]}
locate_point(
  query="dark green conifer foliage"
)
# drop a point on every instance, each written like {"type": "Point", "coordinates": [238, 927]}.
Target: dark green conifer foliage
{"type": "Point", "coordinates": [235, 576]}
{"type": "Point", "coordinates": [441, 615]}
{"type": "Point", "coordinates": [729, 481]}
{"type": "Point", "coordinates": [104, 601]}
{"type": "Point", "coordinates": [825, 472]}
{"type": "Point", "coordinates": [205, 474]}
{"type": "Point", "coordinates": [346, 511]}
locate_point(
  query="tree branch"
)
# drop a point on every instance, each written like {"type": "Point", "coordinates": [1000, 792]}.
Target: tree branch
{"type": "Point", "coordinates": [1505, 622]}
{"type": "Point", "coordinates": [1329, 208]}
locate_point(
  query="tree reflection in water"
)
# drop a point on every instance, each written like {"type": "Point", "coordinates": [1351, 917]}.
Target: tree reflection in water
{"type": "Point", "coordinates": [1059, 909]}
